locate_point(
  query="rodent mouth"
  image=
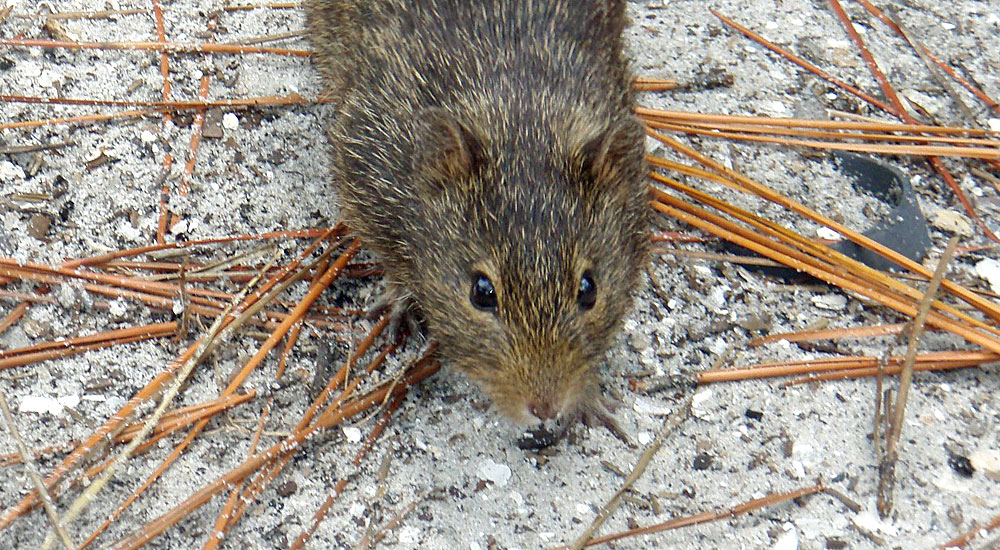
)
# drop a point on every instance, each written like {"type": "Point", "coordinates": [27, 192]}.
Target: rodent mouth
{"type": "Point", "coordinates": [541, 436]}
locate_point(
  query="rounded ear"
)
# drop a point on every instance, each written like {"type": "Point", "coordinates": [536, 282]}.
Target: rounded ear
{"type": "Point", "coordinates": [445, 150]}
{"type": "Point", "coordinates": [601, 155]}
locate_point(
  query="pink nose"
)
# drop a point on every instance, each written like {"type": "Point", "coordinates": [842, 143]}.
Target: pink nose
{"type": "Point", "coordinates": [543, 411]}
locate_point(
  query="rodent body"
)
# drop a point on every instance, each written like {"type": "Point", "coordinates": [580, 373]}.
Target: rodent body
{"type": "Point", "coordinates": [487, 152]}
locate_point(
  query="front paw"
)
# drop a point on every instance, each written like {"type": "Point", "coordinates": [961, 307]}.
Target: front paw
{"type": "Point", "coordinates": [404, 316]}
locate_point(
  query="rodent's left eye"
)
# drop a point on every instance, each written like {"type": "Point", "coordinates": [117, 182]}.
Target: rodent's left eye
{"type": "Point", "coordinates": [587, 295]}
{"type": "Point", "coordinates": [483, 295]}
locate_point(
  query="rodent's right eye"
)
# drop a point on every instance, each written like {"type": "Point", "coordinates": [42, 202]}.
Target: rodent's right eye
{"type": "Point", "coordinates": [483, 295]}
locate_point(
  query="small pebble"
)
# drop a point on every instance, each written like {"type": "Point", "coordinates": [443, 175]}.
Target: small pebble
{"type": "Point", "coordinates": [287, 489]}
{"type": "Point", "coordinates": [230, 121]}
{"type": "Point", "coordinates": [118, 308]}
{"type": "Point", "coordinates": [989, 271]}
{"type": "Point", "coordinates": [789, 540]}
{"type": "Point", "coordinates": [643, 405]}
{"type": "Point", "coordinates": [828, 234]}
{"type": "Point", "coordinates": [494, 472]}
{"type": "Point", "coordinates": [929, 104]}
{"type": "Point", "coordinates": [950, 221]}
{"type": "Point", "coordinates": [409, 534]}
{"type": "Point", "coordinates": [703, 403]}
{"type": "Point", "coordinates": [987, 461]}
{"type": "Point", "coordinates": [352, 434]}
{"type": "Point", "coordinates": [179, 228]}
{"type": "Point", "coordinates": [41, 404]}
{"type": "Point", "coordinates": [869, 521]}
{"type": "Point", "coordinates": [831, 302]}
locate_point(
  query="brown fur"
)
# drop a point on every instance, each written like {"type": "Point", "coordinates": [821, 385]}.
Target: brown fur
{"type": "Point", "coordinates": [493, 136]}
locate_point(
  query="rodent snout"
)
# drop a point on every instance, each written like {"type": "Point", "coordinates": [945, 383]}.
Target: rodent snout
{"type": "Point", "coordinates": [543, 410]}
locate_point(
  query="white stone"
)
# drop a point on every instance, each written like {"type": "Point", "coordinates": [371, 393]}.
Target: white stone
{"type": "Point", "coordinates": [825, 232]}
{"type": "Point", "coordinates": [928, 103]}
{"type": "Point", "coordinates": [230, 121]}
{"type": "Point", "coordinates": [495, 472]}
{"type": "Point", "coordinates": [179, 227]}
{"type": "Point", "coordinates": [129, 231]}
{"type": "Point", "coordinates": [409, 534]}
{"type": "Point", "coordinates": [647, 406]}
{"type": "Point", "coordinates": [703, 403]}
{"type": "Point", "coordinates": [989, 271]}
{"type": "Point", "coordinates": [952, 222]}
{"type": "Point", "coordinates": [52, 405]}
{"type": "Point", "coordinates": [988, 462]}
{"type": "Point", "coordinates": [868, 520]}
{"type": "Point", "coordinates": [715, 301]}
{"type": "Point", "coordinates": [832, 302]}
{"type": "Point", "coordinates": [789, 540]}
{"type": "Point", "coordinates": [352, 434]}
{"type": "Point", "coordinates": [117, 308]}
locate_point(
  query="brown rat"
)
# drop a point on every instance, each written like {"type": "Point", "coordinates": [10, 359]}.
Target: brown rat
{"type": "Point", "coordinates": [487, 152]}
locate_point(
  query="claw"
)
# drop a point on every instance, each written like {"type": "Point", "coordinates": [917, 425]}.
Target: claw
{"type": "Point", "coordinates": [599, 412]}
{"type": "Point", "coordinates": [400, 307]}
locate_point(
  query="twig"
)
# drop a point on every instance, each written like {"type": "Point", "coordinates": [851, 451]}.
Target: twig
{"type": "Point", "coordinates": [29, 464]}
{"type": "Point", "coordinates": [398, 517]}
{"type": "Point", "coordinates": [706, 517]}
{"type": "Point", "coordinates": [887, 467]}
{"type": "Point", "coordinates": [15, 149]}
{"type": "Point", "coordinates": [669, 425]}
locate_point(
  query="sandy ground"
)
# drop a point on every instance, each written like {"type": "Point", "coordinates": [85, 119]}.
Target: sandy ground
{"type": "Point", "coordinates": [267, 172]}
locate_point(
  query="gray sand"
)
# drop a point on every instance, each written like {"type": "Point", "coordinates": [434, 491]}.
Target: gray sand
{"type": "Point", "coordinates": [268, 173]}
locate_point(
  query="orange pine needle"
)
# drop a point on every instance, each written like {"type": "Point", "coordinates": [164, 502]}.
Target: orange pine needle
{"type": "Point", "coordinates": [14, 316]}
{"type": "Point", "coordinates": [168, 47]}
{"type": "Point", "coordinates": [830, 334]}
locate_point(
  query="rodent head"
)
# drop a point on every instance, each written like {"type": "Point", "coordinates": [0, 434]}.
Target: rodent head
{"type": "Point", "coordinates": [540, 235]}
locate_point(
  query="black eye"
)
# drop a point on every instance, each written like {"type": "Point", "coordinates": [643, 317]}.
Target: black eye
{"type": "Point", "coordinates": [483, 296]}
{"type": "Point", "coordinates": [587, 295]}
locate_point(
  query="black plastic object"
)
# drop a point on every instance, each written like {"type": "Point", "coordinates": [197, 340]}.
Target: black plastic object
{"type": "Point", "coordinates": [904, 229]}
